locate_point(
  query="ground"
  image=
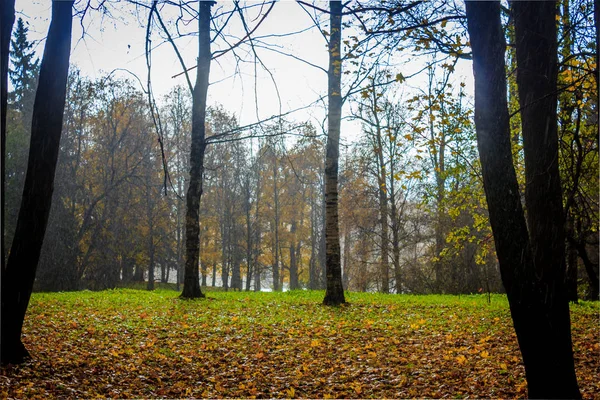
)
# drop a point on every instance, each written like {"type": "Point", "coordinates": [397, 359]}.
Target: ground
{"type": "Point", "coordinates": [137, 344]}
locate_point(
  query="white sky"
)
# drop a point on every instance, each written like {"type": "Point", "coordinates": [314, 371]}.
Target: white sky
{"type": "Point", "coordinates": [119, 42]}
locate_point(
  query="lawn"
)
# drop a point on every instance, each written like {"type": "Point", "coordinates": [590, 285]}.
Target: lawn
{"type": "Point", "coordinates": [132, 343]}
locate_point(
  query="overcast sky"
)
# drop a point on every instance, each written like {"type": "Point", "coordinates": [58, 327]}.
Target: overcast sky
{"type": "Point", "coordinates": [118, 41]}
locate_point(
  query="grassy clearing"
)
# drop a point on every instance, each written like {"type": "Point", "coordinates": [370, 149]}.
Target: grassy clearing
{"type": "Point", "coordinates": [132, 343]}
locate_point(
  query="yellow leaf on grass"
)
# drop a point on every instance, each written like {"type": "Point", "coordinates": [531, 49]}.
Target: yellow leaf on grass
{"type": "Point", "coordinates": [291, 392]}
{"type": "Point", "coordinates": [358, 389]}
{"type": "Point", "coordinates": [461, 359]}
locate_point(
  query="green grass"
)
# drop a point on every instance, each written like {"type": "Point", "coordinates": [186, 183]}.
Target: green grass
{"type": "Point", "coordinates": [132, 343]}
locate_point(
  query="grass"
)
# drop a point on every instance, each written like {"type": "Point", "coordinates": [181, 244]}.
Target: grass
{"type": "Point", "coordinates": [128, 343]}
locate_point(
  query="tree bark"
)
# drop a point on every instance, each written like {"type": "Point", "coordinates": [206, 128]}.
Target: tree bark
{"type": "Point", "coordinates": [334, 293]}
{"type": "Point", "coordinates": [249, 244]}
{"type": "Point", "coordinates": [149, 215]}
{"type": "Point", "coordinates": [533, 282]}
{"type": "Point", "coordinates": [537, 71]}
{"type": "Point", "coordinates": [214, 274]}
{"type": "Point", "coordinates": [276, 271]}
{"type": "Point", "coordinates": [19, 276]}
{"type": "Point", "coordinates": [294, 284]}
{"type": "Point", "coordinates": [191, 280]}
{"type": "Point", "coordinates": [383, 203]}
{"type": "Point", "coordinates": [257, 233]}
{"type": "Point", "coordinates": [395, 227]}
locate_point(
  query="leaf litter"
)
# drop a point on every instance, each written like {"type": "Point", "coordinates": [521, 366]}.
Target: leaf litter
{"type": "Point", "coordinates": [137, 344]}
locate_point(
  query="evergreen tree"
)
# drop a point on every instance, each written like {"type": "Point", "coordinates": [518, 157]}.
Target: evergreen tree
{"type": "Point", "coordinates": [23, 75]}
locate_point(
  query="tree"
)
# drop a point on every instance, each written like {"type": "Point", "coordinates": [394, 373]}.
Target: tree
{"type": "Point", "coordinates": [18, 279]}
{"type": "Point", "coordinates": [191, 283]}
{"type": "Point", "coordinates": [334, 294]}
{"type": "Point", "coordinates": [24, 74]}
{"type": "Point", "coordinates": [7, 19]}
{"type": "Point", "coordinates": [532, 270]}
{"type": "Point", "coordinates": [23, 77]}
{"type": "Point", "coordinates": [177, 112]}
{"type": "Point", "coordinates": [578, 143]}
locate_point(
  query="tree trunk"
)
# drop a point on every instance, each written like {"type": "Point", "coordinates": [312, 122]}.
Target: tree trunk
{"type": "Point", "coordinates": [537, 71]}
{"type": "Point", "coordinates": [438, 155]}
{"type": "Point", "coordinates": [203, 276]}
{"type": "Point", "coordinates": [346, 263]}
{"type": "Point", "coordinates": [256, 252]}
{"type": "Point", "coordinates": [334, 294]}
{"type": "Point", "coordinates": [236, 276]}
{"type": "Point", "coordinates": [294, 285]}
{"type": "Point", "coordinates": [383, 209]}
{"type": "Point", "coordinates": [257, 268]}
{"type": "Point", "coordinates": [538, 306]}
{"type": "Point", "coordinates": [18, 279]}
{"type": "Point", "coordinates": [167, 268]}
{"type": "Point", "coordinates": [150, 285]}
{"type": "Point", "coordinates": [214, 274]}
{"type": "Point", "coordinates": [7, 15]}
{"type": "Point", "coordinates": [276, 271]}
{"type": "Point", "coordinates": [249, 244]}
{"type": "Point", "coordinates": [191, 280]}
{"type": "Point", "coordinates": [395, 231]}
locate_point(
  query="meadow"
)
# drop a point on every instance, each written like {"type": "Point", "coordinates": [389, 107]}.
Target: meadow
{"type": "Point", "coordinates": [129, 343]}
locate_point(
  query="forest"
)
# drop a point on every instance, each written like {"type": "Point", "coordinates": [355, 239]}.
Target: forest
{"type": "Point", "coordinates": [404, 184]}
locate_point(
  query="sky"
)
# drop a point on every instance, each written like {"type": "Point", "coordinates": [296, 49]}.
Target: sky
{"type": "Point", "coordinates": [103, 42]}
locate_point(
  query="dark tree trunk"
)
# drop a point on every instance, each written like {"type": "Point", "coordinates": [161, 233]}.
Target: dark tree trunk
{"type": "Point", "coordinates": [257, 268]}
{"type": "Point", "coordinates": [127, 270]}
{"type": "Point", "coordinates": [18, 279]}
{"type": "Point", "coordinates": [151, 249]}
{"type": "Point", "coordinates": [533, 281]}
{"type": "Point", "coordinates": [276, 271]}
{"type": "Point", "coordinates": [294, 284]}
{"type": "Point", "coordinates": [256, 252]}
{"type": "Point", "coordinates": [249, 244]}
{"type": "Point", "coordinates": [236, 273]}
{"type": "Point", "coordinates": [383, 205]}
{"type": "Point", "coordinates": [7, 15]}
{"type": "Point", "coordinates": [150, 285]}
{"type": "Point", "coordinates": [225, 255]}
{"type": "Point", "coordinates": [203, 276]}
{"type": "Point", "coordinates": [236, 278]}
{"type": "Point", "coordinates": [537, 70]}
{"type": "Point", "coordinates": [138, 274]}
{"type": "Point", "coordinates": [334, 294]}
{"type": "Point", "coordinates": [214, 274]}
{"type": "Point", "coordinates": [346, 263]}
{"type": "Point", "coordinates": [191, 280]}
{"type": "Point", "coordinates": [395, 234]}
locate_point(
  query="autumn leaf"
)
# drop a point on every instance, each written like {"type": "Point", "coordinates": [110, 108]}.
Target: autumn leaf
{"type": "Point", "coordinates": [365, 350]}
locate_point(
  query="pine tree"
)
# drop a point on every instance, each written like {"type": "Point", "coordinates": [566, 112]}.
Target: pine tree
{"type": "Point", "coordinates": [23, 75]}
